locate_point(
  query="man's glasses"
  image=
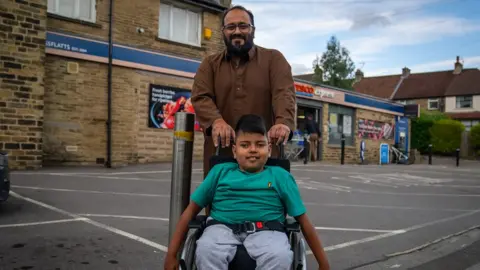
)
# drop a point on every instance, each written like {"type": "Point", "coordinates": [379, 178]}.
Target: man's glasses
{"type": "Point", "coordinates": [243, 27]}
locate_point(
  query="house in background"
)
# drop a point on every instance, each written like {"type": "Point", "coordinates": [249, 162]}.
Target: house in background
{"type": "Point", "coordinates": [455, 92]}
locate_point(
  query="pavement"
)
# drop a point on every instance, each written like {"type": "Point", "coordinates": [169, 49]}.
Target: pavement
{"type": "Point", "coordinates": [367, 217]}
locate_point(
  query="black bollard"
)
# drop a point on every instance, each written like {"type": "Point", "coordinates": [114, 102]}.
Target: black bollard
{"type": "Point", "coordinates": [342, 154]}
{"type": "Point", "coordinates": [429, 154]}
{"type": "Point", "coordinates": [305, 150]}
{"type": "Point", "coordinates": [458, 157]}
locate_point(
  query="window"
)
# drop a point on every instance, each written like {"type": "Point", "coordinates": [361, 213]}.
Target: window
{"type": "Point", "coordinates": [76, 9]}
{"type": "Point", "coordinates": [340, 120]}
{"type": "Point", "coordinates": [179, 25]}
{"type": "Point", "coordinates": [433, 104]}
{"type": "Point", "coordinates": [406, 102]}
{"type": "Point", "coordinates": [464, 102]}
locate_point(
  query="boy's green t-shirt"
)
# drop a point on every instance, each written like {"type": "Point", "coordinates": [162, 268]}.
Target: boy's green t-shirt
{"type": "Point", "coordinates": [238, 196]}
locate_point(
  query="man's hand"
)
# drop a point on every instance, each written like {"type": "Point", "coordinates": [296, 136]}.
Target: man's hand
{"type": "Point", "coordinates": [224, 131]}
{"type": "Point", "coordinates": [171, 262]}
{"type": "Point", "coordinates": [279, 133]}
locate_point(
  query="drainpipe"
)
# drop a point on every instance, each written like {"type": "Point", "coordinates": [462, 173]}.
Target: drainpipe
{"type": "Point", "coordinates": [108, 163]}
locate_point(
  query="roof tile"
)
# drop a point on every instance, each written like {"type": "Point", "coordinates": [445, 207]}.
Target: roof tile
{"type": "Point", "coordinates": [382, 86]}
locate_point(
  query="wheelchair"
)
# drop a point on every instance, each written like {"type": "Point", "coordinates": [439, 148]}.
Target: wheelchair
{"type": "Point", "coordinates": [242, 260]}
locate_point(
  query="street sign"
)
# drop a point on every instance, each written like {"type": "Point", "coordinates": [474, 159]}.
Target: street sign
{"type": "Point", "coordinates": [412, 110]}
{"type": "Point", "coordinates": [384, 153]}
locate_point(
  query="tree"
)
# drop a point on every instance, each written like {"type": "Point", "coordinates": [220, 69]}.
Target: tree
{"type": "Point", "coordinates": [337, 65]}
{"type": "Point", "coordinates": [317, 71]}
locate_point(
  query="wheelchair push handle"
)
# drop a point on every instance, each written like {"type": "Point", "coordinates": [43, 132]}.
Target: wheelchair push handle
{"type": "Point", "coordinates": [281, 148]}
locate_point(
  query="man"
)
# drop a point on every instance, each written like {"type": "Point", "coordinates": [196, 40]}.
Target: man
{"type": "Point", "coordinates": [314, 132]}
{"type": "Point", "coordinates": [243, 79]}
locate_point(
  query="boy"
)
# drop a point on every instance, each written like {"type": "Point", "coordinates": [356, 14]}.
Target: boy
{"type": "Point", "coordinates": [247, 191]}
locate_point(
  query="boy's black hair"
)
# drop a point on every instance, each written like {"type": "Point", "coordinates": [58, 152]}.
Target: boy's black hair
{"type": "Point", "coordinates": [251, 123]}
{"type": "Point", "coordinates": [250, 14]}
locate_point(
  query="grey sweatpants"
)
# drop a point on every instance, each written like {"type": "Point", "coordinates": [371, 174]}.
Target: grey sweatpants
{"type": "Point", "coordinates": [217, 247]}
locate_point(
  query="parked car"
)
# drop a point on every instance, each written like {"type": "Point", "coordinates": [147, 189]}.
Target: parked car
{"type": "Point", "coordinates": [4, 177]}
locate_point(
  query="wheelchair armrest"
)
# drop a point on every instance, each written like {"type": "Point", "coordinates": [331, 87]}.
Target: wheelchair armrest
{"type": "Point", "coordinates": [292, 225]}
{"type": "Point", "coordinates": [198, 222]}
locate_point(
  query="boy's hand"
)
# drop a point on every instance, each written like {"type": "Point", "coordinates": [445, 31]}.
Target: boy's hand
{"type": "Point", "coordinates": [171, 262]}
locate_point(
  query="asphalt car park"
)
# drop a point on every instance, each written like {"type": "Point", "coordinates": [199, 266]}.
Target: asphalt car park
{"type": "Point", "coordinates": [96, 218]}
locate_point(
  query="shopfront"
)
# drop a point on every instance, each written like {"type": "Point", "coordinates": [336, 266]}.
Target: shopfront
{"type": "Point", "coordinates": [355, 116]}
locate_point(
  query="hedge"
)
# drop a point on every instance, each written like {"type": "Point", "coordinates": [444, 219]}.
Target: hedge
{"type": "Point", "coordinates": [421, 129]}
{"type": "Point", "coordinates": [475, 138]}
{"type": "Point", "coordinates": [446, 136]}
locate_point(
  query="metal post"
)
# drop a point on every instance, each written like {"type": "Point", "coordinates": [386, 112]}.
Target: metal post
{"type": "Point", "coordinates": [429, 154]}
{"type": "Point", "coordinates": [181, 168]}
{"type": "Point", "coordinates": [458, 157]}
{"type": "Point", "coordinates": [342, 154]}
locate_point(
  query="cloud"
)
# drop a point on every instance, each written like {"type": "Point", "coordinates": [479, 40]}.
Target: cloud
{"type": "Point", "coordinates": [369, 29]}
{"type": "Point", "coordinates": [410, 32]}
{"type": "Point", "coordinates": [468, 62]}
{"type": "Point", "coordinates": [446, 64]}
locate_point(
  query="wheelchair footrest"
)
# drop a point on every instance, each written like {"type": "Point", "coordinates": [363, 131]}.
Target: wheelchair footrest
{"type": "Point", "coordinates": [199, 222]}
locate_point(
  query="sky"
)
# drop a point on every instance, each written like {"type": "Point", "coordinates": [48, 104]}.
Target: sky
{"type": "Point", "coordinates": [382, 36]}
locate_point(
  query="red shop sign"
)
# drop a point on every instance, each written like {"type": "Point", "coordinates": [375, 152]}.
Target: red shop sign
{"type": "Point", "coordinates": [304, 88]}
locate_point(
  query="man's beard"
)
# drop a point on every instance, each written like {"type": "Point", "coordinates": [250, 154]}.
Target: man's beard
{"type": "Point", "coordinates": [239, 50]}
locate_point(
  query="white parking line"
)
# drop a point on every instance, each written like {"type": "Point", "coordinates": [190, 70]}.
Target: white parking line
{"type": "Point", "coordinates": [147, 172]}
{"type": "Point", "coordinates": [356, 230]}
{"type": "Point", "coordinates": [166, 219]}
{"type": "Point", "coordinates": [92, 191]}
{"type": "Point", "coordinates": [41, 223]}
{"type": "Point", "coordinates": [94, 223]}
{"type": "Point", "coordinates": [125, 217]}
{"type": "Point", "coordinates": [406, 230]}
{"type": "Point", "coordinates": [388, 207]}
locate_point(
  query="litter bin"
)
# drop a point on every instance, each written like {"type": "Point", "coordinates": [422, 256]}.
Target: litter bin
{"type": "Point", "coordinates": [4, 177]}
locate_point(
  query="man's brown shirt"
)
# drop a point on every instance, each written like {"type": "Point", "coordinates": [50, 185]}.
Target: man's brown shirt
{"type": "Point", "coordinates": [261, 85]}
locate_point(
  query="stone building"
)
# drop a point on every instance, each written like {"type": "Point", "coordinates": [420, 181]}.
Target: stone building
{"type": "Point", "coordinates": [64, 100]}
{"type": "Point", "coordinates": [81, 87]}
{"type": "Point", "coordinates": [358, 117]}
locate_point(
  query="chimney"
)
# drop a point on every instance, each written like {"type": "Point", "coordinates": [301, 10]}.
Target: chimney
{"type": "Point", "coordinates": [358, 75]}
{"type": "Point", "coordinates": [458, 67]}
{"type": "Point", "coordinates": [405, 72]}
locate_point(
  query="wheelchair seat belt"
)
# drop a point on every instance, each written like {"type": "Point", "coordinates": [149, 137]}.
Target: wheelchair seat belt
{"type": "Point", "coordinates": [251, 227]}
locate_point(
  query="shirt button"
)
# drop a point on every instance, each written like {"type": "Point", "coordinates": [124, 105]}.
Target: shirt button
{"type": "Point", "coordinates": [238, 89]}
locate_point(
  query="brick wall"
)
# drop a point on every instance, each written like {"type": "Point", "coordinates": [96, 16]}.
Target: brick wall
{"type": "Point", "coordinates": [22, 52]}
{"type": "Point", "coordinates": [332, 153]}
{"type": "Point", "coordinates": [76, 113]}
{"type": "Point", "coordinates": [128, 15]}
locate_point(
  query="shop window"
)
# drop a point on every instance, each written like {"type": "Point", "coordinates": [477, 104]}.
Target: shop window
{"type": "Point", "coordinates": [340, 120]}
{"type": "Point", "coordinates": [75, 9]}
{"type": "Point", "coordinates": [464, 102]}
{"type": "Point", "coordinates": [179, 25]}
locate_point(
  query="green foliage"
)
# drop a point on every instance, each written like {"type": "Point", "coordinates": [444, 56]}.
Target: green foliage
{"type": "Point", "coordinates": [432, 115]}
{"type": "Point", "coordinates": [475, 138]}
{"type": "Point", "coordinates": [446, 136]}
{"type": "Point", "coordinates": [337, 65]}
{"type": "Point", "coordinates": [421, 129]}
{"type": "Point", "coordinates": [421, 134]}
{"type": "Point", "coordinates": [317, 71]}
